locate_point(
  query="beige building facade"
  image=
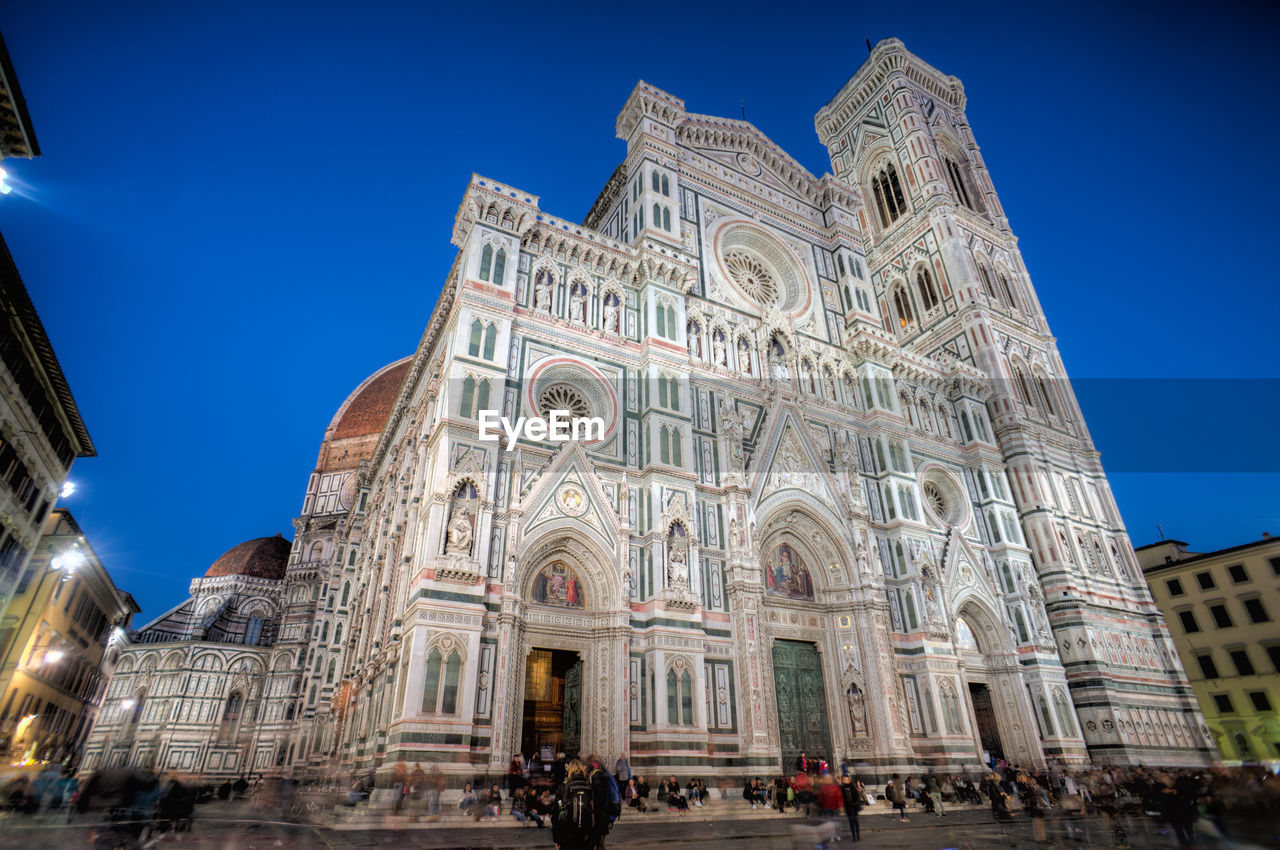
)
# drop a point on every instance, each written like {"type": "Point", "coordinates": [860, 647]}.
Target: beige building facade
{"type": "Point", "coordinates": [1222, 609]}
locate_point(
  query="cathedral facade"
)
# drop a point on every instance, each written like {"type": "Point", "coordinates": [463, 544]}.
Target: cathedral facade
{"type": "Point", "coordinates": [841, 498]}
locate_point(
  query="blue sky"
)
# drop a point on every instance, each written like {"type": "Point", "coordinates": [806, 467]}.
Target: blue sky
{"type": "Point", "coordinates": [244, 209]}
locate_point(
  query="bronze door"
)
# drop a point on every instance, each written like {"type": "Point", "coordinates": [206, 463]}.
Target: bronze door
{"type": "Point", "coordinates": [802, 704]}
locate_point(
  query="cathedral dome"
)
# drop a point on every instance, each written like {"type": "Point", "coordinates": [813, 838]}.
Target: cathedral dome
{"type": "Point", "coordinates": [366, 410]}
{"type": "Point", "coordinates": [353, 434]}
{"type": "Point", "coordinates": [264, 557]}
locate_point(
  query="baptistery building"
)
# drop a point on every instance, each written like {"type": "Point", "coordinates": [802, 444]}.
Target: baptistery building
{"type": "Point", "coordinates": [841, 498]}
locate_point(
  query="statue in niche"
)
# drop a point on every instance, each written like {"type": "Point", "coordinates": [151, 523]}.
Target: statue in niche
{"type": "Point", "coordinates": [864, 561]}
{"type": "Point", "coordinates": [611, 314]}
{"type": "Point", "coordinates": [847, 462]}
{"type": "Point", "coordinates": [677, 557]}
{"type": "Point", "coordinates": [578, 304]}
{"type": "Point", "coordinates": [542, 293]}
{"type": "Point", "coordinates": [695, 340]}
{"type": "Point", "coordinates": [744, 356]}
{"type": "Point", "coordinates": [856, 702]}
{"type": "Point", "coordinates": [734, 430]}
{"type": "Point", "coordinates": [460, 528]}
{"type": "Point", "coordinates": [778, 363]}
{"type": "Point", "coordinates": [717, 349]}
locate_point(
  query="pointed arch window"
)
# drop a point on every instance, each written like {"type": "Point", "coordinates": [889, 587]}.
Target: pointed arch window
{"type": "Point", "coordinates": [664, 444]}
{"type": "Point", "coordinates": [887, 190]}
{"type": "Point", "coordinates": [467, 401]}
{"type": "Point", "coordinates": [1065, 725]}
{"type": "Point", "coordinates": [486, 261]}
{"type": "Point", "coordinates": [986, 282]}
{"type": "Point", "coordinates": [888, 503]}
{"type": "Point", "coordinates": [673, 698]}
{"type": "Point", "coordinates": [477, 335]}
{"type": "Point", "coordinates": [902, 306]}
{"type": "Point", "coordinates": [1006, 294]}
{"type": "Point", "coordinates": [657, 216]}
{"type": "Point", "coordinates": [655, 181]}
{"type": "Point", "coordinates": [666, 186]}
{"type": "Point", "coordinates": [1046, 719]}
{"type": "Point", "coordinates": [666, 219]}
{"type": "Point", "coordinates": [440, 692]}
{"type": "Point", "coordinates": [490, 340]}
{"type": "Point", "coordinates": [231, 716]}
{"type": "Point", "coordinates": [499, 266]}
{"type": "Point", "coordinates": [928, 292]}
{"type": "Point", "coordinates": [333, 671]}
{"type": "Point", "coordinates": [962, 183]}
{"type": "Point", "coordinates": [1047, 395]}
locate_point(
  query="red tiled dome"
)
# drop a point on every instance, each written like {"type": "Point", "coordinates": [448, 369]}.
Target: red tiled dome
{"type": "Point", "coordinates": [265, 557]}
{"type": "Point", "coordinates": [367, 409]}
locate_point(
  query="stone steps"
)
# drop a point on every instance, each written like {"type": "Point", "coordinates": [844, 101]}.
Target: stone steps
{"type": "Point", "coordinates": [415, 817]}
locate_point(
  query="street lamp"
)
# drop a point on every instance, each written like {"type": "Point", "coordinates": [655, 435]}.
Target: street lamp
{"type": "Point", "coordinates": [5, 188]}
{"type": "Point", "coordinates": [66, 563]}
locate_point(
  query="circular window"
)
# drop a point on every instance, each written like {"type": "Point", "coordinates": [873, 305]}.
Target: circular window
{"type": "Point", "coordinates": [562, 383]}
{"type": "Point", "coordinates": [760, 269]}
{"type": "Point", "coordinates": [751, 277]}
{"type": "Point", "coordinates": [563, 397]}
{"type": "Point", "coordinates": [944, 498]}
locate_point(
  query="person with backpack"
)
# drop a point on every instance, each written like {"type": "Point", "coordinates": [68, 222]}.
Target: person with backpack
{"type": "Point", "coordinates": [851, 794]}
{"type": "Point", "coordinates": [605, 784]}
{"type": "Point", "coordinates": [582, 808]}
{"type": "Point", "coordinates": [897, 797]}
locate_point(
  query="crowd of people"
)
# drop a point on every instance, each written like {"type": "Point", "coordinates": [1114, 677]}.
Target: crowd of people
{"type": "Point", "coordinates": [579, 799]}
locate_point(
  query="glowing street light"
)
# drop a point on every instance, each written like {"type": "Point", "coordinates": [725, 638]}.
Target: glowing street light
{"type": "Point", "coordinates": [68, 487]}
{"type": "Point", "coordinates": [53, 656]}
{"type": "Point", "coordinates": [5, 188]}
{"type": "Point", "coordinates": [68, 561]}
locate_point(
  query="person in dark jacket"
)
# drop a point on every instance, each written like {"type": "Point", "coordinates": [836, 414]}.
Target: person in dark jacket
{"type": "Point", "coordinates": [564, 831]}
{"type": "Point", "coordinates": [852, 794]}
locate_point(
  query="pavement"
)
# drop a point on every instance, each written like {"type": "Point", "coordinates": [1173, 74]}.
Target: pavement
{"type": "Point", "coordinates": [218, 829]}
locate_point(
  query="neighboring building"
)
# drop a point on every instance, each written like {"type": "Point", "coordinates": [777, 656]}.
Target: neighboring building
{"type": "Point", "coordinates": [40, 428]}
{"type": "Point", "coordinates": [1222, 609]}
{"type": "Point", "coordinates": [229, 681]}
{"type": "Point", "coordinates": [70, 624]}
{"type": "Point", "coordinates": [17, 135]}
{"type": "Point", "coordinates": [843, 499]}
{"type": "Point", "coordinates": [41, 432]}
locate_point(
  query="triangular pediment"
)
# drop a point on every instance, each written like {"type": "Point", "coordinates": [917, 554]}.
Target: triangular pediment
{"type": "Point", "coordinates": [742, 147]}
{"type": "Point", "coordinates": [568, 492]}
{"type": "Point", "coordinates": [789, 460]}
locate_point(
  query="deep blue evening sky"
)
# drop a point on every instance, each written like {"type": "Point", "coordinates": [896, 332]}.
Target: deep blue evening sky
{"type": "Point", "coordinates": [243, 209]}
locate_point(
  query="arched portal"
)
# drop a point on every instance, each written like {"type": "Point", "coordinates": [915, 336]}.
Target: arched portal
{"type": "Point", "coordinates": [811, 635]}
{"type": "Point", "coordinates": [567, 659]}
{"type": "Point", "coordinates": [999, 712]}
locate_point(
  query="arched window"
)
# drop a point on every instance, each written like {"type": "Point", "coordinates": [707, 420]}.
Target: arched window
{"type": "Point", "coordinates": [1047, 395]}
{"type": "Point", "coordinates": [666, 186]}
{"type": "Point", "coordinates": [673, 698]}
{"type": "Point", "coordinates": [1006, 293]}
{"type": "Point", "coordinates": [887, 190]}
{"type": "Point", "coordinates": [1006, 577]}
{"type": "Point", "coordinates": [333, 670]}
{"type": "Point", "coordinates": [928, 293]}
{"type": "Point", "coordinates": [666, 219]}
{"type": "Point", "coordinates": [346, 591]}
{"type": "Point", "coordinates": [686, 699]}
{"type": "Point", "coordinates": [888, 503]}
{"type": "Point", "coordinates": [986, 282]}
{"type": "Point", "coordinates": [1021, 623]}
{"type": "Point", "coordinates": [253, 632]}
{"type": "Point", "coordinates": [499, 266]}
{"type": "Point", "coordinates": [486, 261]}
{"type": "Point", "coordinates": [490, 340]}
{"type": "Point", "coordinates": [671, 321]}
{"type": "Point", "coordinates": [1046, 719]}
{"type": "Point", "coordinates": [994, 526]}
{"type": "Point", "coordinates": [962, 183]}
{"type": "Point", "coordinates": [664, 444]}
{"type": "Point", "coordinates": [1020, 386]}
{"type": "Point", "coordinates": [657, 215]}
{"type": "Point", "coordinates": [482, 397]}
{"type": "Point", "coordinates": [909, 598]}
{"type": "Point", "coordinates": [467, 402]}
{"type": "Point", "coordinates": [1067, 728]}
{"type": "Point", "coordinates": [440, 692]}
{"type": "Point", "coordinates": [231, 716]}
{"type": "Point", "coordinates": [337, 634]}
{"type": "Point", "coordinates": [902, 306]}
{"type": "Point", "coordinates": [657, 185]}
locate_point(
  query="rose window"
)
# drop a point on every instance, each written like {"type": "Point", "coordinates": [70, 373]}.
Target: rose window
{"type": "Point", "coordinates": [563, 397]}
{"type": "Point", "coordinates": [937, 499]}
{"type": "Point", "coordinates": [943, 498]}
{"type": "Point", "coordinates": [752, 277]}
